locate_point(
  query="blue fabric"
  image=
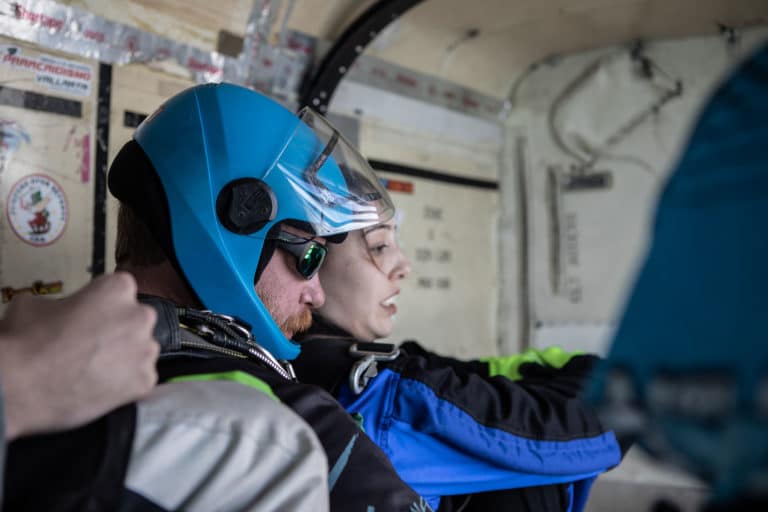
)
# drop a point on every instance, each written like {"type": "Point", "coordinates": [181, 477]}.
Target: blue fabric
{"type": "Point", "coordinates": [438, 449]}
{"type": "Point", "coordinates": [700, 303]}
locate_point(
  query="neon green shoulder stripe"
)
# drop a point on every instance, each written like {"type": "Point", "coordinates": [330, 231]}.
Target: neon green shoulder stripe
{"type": "Point", "coordinates": [509, 366]}
{"type": "Point", "coordinates": [235, 376]}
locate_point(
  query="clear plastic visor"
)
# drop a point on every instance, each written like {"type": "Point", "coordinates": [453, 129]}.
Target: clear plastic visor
{"type": "Point", "coordinates": [337, 190]}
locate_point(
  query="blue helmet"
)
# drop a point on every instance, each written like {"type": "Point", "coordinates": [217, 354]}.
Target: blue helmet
{"type": "Point", "coordinates": [232, 164]}
{"type": "Point", "coordinates": [688, 369]}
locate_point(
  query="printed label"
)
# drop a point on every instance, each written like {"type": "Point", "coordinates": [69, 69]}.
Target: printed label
{"type": "Point", "coordinates": [53, 72]}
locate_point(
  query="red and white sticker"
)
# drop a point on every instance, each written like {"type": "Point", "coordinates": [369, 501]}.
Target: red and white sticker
{"type": "Point", "coordinates": [37, 210]}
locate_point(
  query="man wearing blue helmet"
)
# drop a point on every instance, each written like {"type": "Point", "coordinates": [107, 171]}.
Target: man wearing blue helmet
{"type": "Point", "coordinates": [227, 202]}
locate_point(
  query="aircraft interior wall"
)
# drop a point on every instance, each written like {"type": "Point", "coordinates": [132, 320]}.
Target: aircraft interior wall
{"type": "Point", "coordinates": [597, 142]}
{"type": "Point", "coordinates": [46, 170]}
{"type": "Point", "coordinates": [448, 229]}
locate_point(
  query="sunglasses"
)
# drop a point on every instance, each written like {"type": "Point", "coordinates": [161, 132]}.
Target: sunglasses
{"type": "Point", "coordinates": [309, 254]}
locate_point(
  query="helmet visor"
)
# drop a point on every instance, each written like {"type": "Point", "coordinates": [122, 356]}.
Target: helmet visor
{"type": "Point", "coordinates": [337, 190]}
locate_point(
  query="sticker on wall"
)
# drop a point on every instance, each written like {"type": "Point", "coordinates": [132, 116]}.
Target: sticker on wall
{"type": "Point", "coordinates": [37, 288]}
{"type": "Point", "coordinates": [37, 210]}
{"type": "Point", "coordinates": [52, 72]}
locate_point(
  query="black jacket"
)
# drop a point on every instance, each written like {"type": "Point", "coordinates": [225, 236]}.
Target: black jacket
{"type": "Point", "coordinates": [85, 469]}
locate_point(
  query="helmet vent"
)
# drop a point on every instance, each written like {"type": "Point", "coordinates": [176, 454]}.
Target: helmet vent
{"type": "Point", "coordinates": [245, 205]}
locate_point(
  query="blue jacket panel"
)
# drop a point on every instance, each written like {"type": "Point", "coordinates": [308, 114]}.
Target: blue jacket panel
{"type": "Point", "coordinates": [449, 428]}
{"type": "Point", "coordinates": [440, 449]}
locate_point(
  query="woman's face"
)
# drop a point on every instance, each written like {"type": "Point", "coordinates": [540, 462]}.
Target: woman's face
{"type": "Point", "coordinates": [361, 278]}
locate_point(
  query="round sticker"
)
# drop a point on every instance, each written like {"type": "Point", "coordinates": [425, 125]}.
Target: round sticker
{"type": "Point", "coordinates": [37, 210]}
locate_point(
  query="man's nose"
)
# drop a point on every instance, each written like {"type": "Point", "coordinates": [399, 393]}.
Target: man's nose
{"type": "Point", "coordinates": [312, 294]}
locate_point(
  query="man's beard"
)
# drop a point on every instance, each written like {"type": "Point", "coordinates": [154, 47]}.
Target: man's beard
{"type": "Point", "coordinates": [292, 325]}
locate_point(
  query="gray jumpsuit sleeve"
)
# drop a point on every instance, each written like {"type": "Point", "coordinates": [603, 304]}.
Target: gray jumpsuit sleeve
{"type": "Point", "coordinates": [219, 445]}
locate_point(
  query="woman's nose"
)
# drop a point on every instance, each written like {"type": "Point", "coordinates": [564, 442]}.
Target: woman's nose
{"type": "Point", "coordinates": [402, 269]}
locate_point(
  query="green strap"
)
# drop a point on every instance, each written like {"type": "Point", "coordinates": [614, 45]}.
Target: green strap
{"type": "Point", "coordinates": [234, 376]}
{"type": "Point", "coordinates": [359, 420]}
{"type": "Point", "coordinates": [509, 366]}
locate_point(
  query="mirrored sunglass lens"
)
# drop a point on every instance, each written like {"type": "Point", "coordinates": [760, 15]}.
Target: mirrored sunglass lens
{"type": "Point", "coordinates": [310, 262]}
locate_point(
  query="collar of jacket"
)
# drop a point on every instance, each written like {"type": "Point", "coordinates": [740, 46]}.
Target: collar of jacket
{"type": "Point", "coordinates": [322, 328]}
{"type": "Point", "coordinates": [324, 361]}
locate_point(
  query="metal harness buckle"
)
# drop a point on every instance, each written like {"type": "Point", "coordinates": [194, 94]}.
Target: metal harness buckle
{"type": "Point", "coordinates": [365, 368]}
{"type": "Point", "coordinates": [241, 340]}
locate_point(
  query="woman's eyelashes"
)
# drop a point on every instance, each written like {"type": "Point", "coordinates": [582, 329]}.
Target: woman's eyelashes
{"type": "Point", "coordinates": [378, 249]}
